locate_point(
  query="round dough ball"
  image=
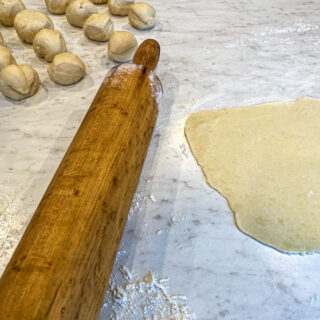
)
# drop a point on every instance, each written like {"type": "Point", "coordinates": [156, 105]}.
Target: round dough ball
{"type": "Point", "coordinates": [57, 6]}
{"type": "Point", "coordinates": [122, 46]}
{"type": "Point", "coordinates": [29, 22]}
{"type": "Point", "coordinates": [47, 43]}
{"type": "Point", "coordinates": [1, 40]}
{"type": "Point", "coordinates": [142, 16]}
{"type": "Point", "coordinates": [18, 82]}
{"type": "Point", "coordinates": [119, 7]}
{"type": "Point", "coordinates": [79, 11]}
{"type": "Point", "coordinates": [8, 11]}
{"type": "Point", "coordinates": [66, 68]}
{"type": "Point", "coordinates": [6, 57]}
{"type": "Point", "coordinates": [98, 27]}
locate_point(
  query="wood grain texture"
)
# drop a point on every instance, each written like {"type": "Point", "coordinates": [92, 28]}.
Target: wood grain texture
{"type": "Point", "coordinates": [61, 267]}
{"type": "Point", "coordinates": [148, 54]}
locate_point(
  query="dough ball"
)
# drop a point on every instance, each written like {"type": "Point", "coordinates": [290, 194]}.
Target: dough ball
{"type": "Point", "coordinates": [122, 46]}
{"type": "Point", "coordinates": [66, 68]}
{"type": "Point", "coordinates": [18, 82]}
{"type": "Point", "coordinates": [142, 16]}
{"type": "Point", "coordinates": [119, 7]}
{"type": "Point", "coordinates": [98, 27]}
{"type": "Point", "coordinates": [79, 11]}
{"type": "Point", "coordinates": [29, 22]}
{"type": "Point", "coordinates": [5, 57]}
{"type": "Point", "coordinates": [57, 6]}
{"type": "Point", "coordinates": [1, 40]}
{"type": "Point", "coordinates": [47, 43]}
{"type": "Point", "coordinates": [8, 11]}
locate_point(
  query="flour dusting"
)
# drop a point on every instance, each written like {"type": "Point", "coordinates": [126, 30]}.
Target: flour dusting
{"type": "Point", "coordinates": [136, 205]}
{"type": "Point", "coordinates": [298, 27]}
{"type": "Point", "coordinates": [11, 226]}
{"type": "Point", "coordinates": [146, 299]}
{"type": "Point", "coordinates": [156, 88]}
{"type": "Point", "coordinates": [122, 71]}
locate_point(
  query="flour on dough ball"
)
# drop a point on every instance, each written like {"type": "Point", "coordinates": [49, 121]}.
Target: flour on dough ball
{"type": "Point", "coordinates": [6, 57]}
{"type": "Point", "coordinates": [1, 40]}
{"type": "Point", "coordinates": [122, 46]}
{"type": "Point", "coordinates": [29, 22]}
{"type": "Point", "coordinates": [119, 7]}
{"type": "Point", "coordinates": [18, 82]}
{"type": "Point", "coordinates": [142, 16]}
{"type": "Point", "coordinates": [66, 68]}
{"type": "Point", "coordinates": [57, 6]}
{"type": "Point", "coordinates": [47, 43]}
{"type": "Point", "coordinates": [8, 10]}
{"type": "Point", "coordinates": [79, 11]}
{"type": "Point", "coordinates": [98, 27]}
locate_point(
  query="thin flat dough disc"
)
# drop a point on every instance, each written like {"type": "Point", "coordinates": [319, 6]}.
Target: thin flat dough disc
{"type": "Point", "coordinates": [265, 160]}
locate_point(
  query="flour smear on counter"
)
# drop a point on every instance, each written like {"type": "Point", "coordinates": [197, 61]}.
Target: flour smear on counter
{"type": "Point", "coordinates": [11, 225]}
{"type": "Point", "coordinates": [147, 298]}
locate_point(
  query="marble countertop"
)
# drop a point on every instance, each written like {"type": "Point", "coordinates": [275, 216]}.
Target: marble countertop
{"type": "Point", "coordinates": [215, 54]}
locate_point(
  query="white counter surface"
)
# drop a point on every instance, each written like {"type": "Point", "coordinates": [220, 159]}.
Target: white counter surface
{"type": "Point", "coordinates": [215, 54]}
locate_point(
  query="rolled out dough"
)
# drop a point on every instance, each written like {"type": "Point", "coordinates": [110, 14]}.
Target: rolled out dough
{"type": "Point", "coordinates": [265, 159]}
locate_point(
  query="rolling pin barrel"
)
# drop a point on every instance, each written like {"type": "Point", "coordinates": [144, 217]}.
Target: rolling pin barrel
{"type": "Point", "coordinates": [61, 267]}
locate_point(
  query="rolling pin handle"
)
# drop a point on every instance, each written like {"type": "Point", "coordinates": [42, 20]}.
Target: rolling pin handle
{"type": "Point", "coordinates": [148, 54]}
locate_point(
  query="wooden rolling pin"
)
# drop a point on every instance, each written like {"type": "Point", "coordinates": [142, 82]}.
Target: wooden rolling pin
{"type": "Point", "coordinates": [61, 267]}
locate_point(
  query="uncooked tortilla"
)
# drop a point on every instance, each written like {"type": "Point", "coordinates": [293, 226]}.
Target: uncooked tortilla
{"type": "Point", "coordinates": [265, 159]}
